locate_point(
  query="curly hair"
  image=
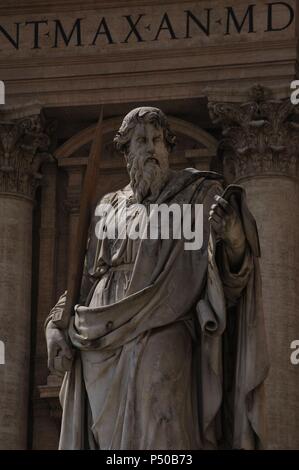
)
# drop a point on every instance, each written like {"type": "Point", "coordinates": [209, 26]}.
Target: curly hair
{"type": "Point", "coordinates": [144, 114]}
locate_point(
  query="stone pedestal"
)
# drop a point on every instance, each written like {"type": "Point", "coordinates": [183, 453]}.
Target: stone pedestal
{"type": "Point", "coordinates": [262, 139]}
{"type": "Point", "coordinates": [21, 143]}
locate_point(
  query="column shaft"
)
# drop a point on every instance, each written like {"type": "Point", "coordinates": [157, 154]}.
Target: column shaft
{"type": "Point", "coordinates": [261, 141]}
{"type": "Point", "coordinates": [15, 300]}
{"type": "Point", "coordinates": [274, 203]}
{"type": "Point", "coordinates": [23, 145]}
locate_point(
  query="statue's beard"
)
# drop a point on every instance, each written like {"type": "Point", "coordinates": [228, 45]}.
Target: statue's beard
{"type": "Point", "coordinates": [147, 176]}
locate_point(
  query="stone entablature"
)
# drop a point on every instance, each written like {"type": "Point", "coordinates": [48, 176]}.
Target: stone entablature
{"type": "Point", "coordinates": [116, 52]}
{"type": "Point", "coordinates": [103, 28]}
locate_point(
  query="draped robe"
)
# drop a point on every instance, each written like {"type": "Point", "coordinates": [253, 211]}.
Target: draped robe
{"type": "Point", "coordinates": [170, 344]}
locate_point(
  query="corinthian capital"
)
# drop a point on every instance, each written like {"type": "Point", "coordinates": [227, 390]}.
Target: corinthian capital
{"type": "Point", "coordinates": [262, 133]}
{"type": "Point", "coordinates": [23, 146]}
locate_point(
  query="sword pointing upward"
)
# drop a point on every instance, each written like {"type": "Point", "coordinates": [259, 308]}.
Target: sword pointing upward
{"type": "Point", "coordinates": [76, 264]}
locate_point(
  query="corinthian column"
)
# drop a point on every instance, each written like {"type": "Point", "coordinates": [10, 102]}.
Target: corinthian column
{"type": "Point", "coordinates": [262, 139]}
{"type": "Point", "coordinates": [23, 143]}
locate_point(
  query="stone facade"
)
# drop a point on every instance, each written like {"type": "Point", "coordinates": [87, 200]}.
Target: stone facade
{"type": "Point", "coordinates": [222, 73]}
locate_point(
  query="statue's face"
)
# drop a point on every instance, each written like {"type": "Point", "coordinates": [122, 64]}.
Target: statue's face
{"type": "Point", "coordinates": [147, 160]}
{"type": "Point", "coordinates": [147, 142]}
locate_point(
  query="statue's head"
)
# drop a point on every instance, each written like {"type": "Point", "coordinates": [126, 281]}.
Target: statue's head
{"type": "Point", "coordinates": [146, 140]}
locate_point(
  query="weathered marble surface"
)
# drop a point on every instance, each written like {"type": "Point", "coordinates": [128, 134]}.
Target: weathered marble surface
{"type": "Point", "coordinates": [156, 373]}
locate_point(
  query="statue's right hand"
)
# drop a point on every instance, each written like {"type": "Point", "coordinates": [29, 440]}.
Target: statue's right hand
{"type": "Point", "coordinates": [60, 353]}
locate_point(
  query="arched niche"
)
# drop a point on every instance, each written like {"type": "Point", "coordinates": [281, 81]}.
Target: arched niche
{"type": "Point", "coordinates": [195, 148]}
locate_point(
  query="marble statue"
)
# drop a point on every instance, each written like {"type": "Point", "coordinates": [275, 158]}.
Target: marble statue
{"type": "Point", "coordinates": [167, 345]}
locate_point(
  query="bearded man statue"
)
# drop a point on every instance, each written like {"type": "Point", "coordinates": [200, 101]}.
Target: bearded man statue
{"type": "Point", "coordinates": [167, 345]}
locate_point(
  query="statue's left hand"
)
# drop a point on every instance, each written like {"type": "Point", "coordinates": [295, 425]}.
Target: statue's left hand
{"type": "Point", "coordinates": [226, 222]}
{"type": "Point", "coordinates": [227, 225]}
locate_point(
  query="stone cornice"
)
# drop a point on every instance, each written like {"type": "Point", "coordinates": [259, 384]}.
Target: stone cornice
{"type": "Point", "coordinates": [17, 111]}
{"type": "Point", "coordinates": [262, 132]}
{"type": "Point", "coordinates": [241, 93]}
{"type": "Point", "coordinates": [179, 79]}
{"type": "Point", "coordinates": [133, 55]}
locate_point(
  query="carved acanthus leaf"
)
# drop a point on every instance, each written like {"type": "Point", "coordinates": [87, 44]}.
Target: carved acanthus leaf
{"type": "Point", "coordinates": [263, 135]}
{"type": "Point", "coordinates": [23, 147]}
